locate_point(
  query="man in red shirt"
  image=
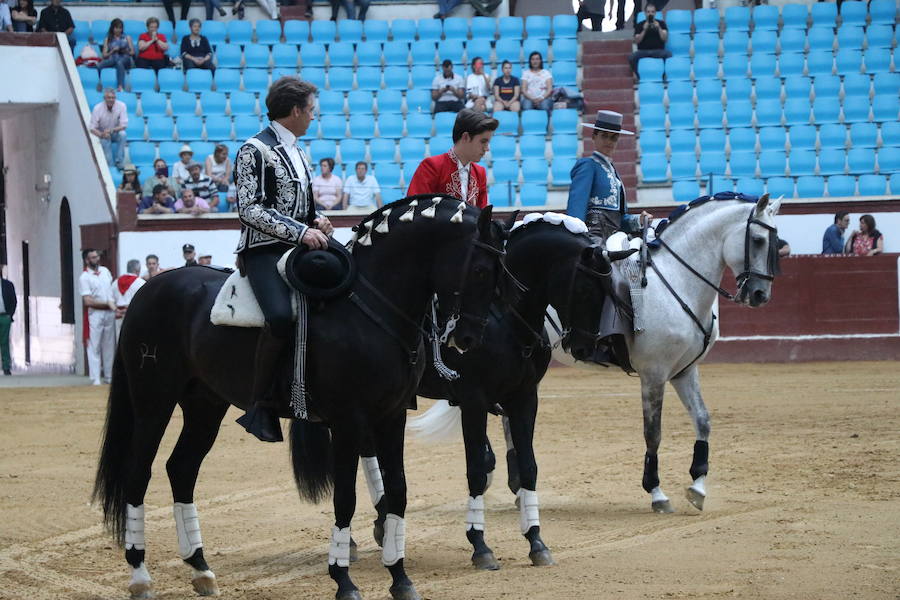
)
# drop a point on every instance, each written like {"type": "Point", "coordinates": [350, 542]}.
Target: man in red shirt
{"type": "Point", "coordinates": [455, 172]}
{"type": "Point", "coordinates": [152, 47]}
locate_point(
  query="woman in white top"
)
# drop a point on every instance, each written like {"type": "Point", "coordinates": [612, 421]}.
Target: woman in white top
{"type": "Point", "coordinates": [478, 87]}
{"type": "Point", "coordinates": [537, 85]}
{"type": "Point", "coordinates": [218, 168]}
{"type": "Point", "coordinates": [327, 187]}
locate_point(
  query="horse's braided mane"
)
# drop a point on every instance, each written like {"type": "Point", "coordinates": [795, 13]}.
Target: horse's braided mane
{"type": "Point", "coordinates": [682, 210]}
{"type": "Point", "coordinates": [539, 222]}
{"type": "Point", "coordinates": [403, 202]}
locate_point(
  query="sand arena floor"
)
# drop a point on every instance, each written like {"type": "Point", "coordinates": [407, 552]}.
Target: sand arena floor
{"type": "Point", "coordinates": [804, 500]}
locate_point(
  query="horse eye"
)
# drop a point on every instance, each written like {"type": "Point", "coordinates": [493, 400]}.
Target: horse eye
{"type": "Point", "coordinates": [759, 241]}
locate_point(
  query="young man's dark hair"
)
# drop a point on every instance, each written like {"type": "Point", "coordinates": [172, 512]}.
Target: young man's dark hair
{"type": "Point", "coordinates": [540, 57]}
{"type": "Point", "coordinates": [285, 94]}
{"type": "Point", "coordinates": [363, 163]}
{"type": "Point", "coordinates": [839, 215]}
{"type": "Point", "coordinates": [473, 123]}
{"type": "Point", "coordinates": [158, 188]}
{"type": "Point", "coordinates": [86, 251]}
{"type": "Point", "coordinates": [153, 256]}
{"type": "Point", "coordinates": [504, 63]}
{"type": "Point", "coordinates": [328, 161]}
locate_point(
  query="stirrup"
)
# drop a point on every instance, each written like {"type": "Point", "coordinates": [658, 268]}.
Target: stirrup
{"type": "Point", "coordinates": [262, 422]}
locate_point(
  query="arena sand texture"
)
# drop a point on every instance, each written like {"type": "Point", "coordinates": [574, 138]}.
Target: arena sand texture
{"type": "Point", "coordinates": [804, 500]}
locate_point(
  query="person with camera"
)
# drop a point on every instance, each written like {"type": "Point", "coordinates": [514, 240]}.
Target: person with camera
{"type": "Point", "coordinates": [448, 89]}
{"type": "Point", "coordinates": [650, 36]}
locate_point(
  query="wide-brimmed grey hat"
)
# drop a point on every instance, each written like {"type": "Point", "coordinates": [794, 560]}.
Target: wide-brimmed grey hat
{"type": "Point", "coordinates": [608, 120]}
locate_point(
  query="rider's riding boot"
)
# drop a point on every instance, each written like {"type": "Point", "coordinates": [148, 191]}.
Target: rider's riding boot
{"type": "Point", "coordinates": [262, 419]}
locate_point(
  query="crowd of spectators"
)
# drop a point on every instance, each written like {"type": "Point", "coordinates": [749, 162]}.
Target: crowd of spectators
{"type": "Point", "coordinates": [865, 241]}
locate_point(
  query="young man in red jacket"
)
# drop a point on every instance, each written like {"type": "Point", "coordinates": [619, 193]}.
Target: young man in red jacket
{"type": "Point", "coordinates": [455, 172]}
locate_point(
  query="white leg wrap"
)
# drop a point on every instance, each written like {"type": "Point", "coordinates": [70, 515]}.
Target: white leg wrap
{"type": "Point", "coordinates": [528, 509]}
{"type": "Point", "coordinates": [656, 495]}
{"type": "Point", "coordinates": [373, 478]}
{"type": "Point", "coordinates": [699, 485]}
{"type": "Point", "coordinates": [394, 540]}
{"type": "Point", "coordinates": [134, 528]}
{"type": "Point", "coordinates": [475, 516]}
{"type": "Point", "coordinates": [187, 525]}
{"type": "Point", "coordinates": [339, 553]}
{"type": "Point", "coordinates": [140, 575]}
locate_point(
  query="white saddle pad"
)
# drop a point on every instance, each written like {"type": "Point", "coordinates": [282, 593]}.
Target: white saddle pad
{"type": "Point", "coordinates": [236, 305]}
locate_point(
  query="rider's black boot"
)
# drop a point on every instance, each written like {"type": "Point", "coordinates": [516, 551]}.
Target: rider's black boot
{"type": "Point", "coordinates": [262, 419]}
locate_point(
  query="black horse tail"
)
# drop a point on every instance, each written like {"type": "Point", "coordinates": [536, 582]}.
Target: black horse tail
{"type": "Point", "coordinates": [312, 459]}
{"type": "Point", "coordinates": [112, 470]}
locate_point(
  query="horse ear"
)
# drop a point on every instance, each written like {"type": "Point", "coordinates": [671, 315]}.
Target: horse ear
{"type": "Point", "coordinates": [511, 220]}
{"type": "Point", "coordinates": [762, 204]}
{"type": "Point", "coordinates": [484, 222]}
{"type": "Point", "coordinates": [587, 255]}
{"type": "Point", "coordinates": [775, 206]}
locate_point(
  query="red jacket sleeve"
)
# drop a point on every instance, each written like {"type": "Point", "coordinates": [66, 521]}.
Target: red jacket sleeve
{"type": "Point", "coordinates": [481, 179]}
{"type": "Point", "coordinates": [423, 181]}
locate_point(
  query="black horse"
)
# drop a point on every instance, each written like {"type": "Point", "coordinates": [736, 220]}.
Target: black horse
{"type": "Point", "coordinates": [364, 363]}
{"type": "Point", "coordinates": [555, 267]}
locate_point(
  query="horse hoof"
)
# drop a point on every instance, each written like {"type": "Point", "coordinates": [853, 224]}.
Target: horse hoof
{"type": "Point", "coordinates": [695, 498]}
{"type": "Point", "coordinates": [542, 558]}
{"type": "Point", "coordinates": [349, 595]}
{"type": "Point", "coordinates": [205, 586]}
{"type": "Point", "coordinates": [141, 591]}
{"type": "Point", "coordinates": [485, 561]}
{"type": "Point", "coordinates": [354, 553]}
{"type": "Point", "coordinates": [404, 592]}
{"type": "Point", "coordinates": [378, 534]}
{"type": "Point", "coordinates": [663, 507]}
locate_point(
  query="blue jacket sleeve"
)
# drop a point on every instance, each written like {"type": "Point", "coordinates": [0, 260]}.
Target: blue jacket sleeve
{"type": "Point", "coordinates": [582, 180]}
{"type": "Point", "coordinates": [831, 242]}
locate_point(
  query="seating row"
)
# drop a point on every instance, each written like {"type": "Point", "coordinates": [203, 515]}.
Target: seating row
{"type": "Point", "coordinates": [804, 187]}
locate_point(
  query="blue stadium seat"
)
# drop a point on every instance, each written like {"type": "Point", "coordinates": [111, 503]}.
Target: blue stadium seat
{"type": "Point", "coordinates": [267, 32]}
{"type": "Point", "coordinates": [762, 65]}
{"type": "Point", "coordinates": [737, 18]}
{"type": "Point", "coordinates": [650, 141]}
{"type": "Point", "coordinates": [772, 138]}
{"type": "Point", "coordinates": [484, 28]}
{"type": "Point", "coordinates": [679, 21]}
{"type": "Point", "coordinates": [778, 187]}
{"type": "Point", "coordinates": [848, 61]}
{"type": "Point", "coordinates": [538, 45]}
{"type": "Point", "coordinates": [749, 185]}
{"type": "Point", "coordinates": [368, 54]}
{"type": "Point", "coordinates": [228, 56]}
{"type": "Point", "coordinates": [429, 29]}
{"type": "Point", "coordinates": [534, 122]}
{"type": "Point", "coordinates": [685, 191]}
{"type": "Point", "coordinates": [418, 125]}
{"type": "Point", "coordinates": [537, 26]}
{"type": "Point", "coordinates": [383, 150]}
{"type": "Point", "coordinates": [388, 174]}
{"type": "Point", "coordinates": [128, 99]}
{"type": "Point", "coordinates": [389, 101]}
{"type": "Point", "coordinates": [564, 120]}
{"type": "Point", "coordinates": [823, 14]}
{"type": "Point", "coordinates": [256, 56]}
{"type": "Point", "coordinates": [878, 60]}
{"type": "Point", "coordinates": [833, 135]}
{"type": "Point", "coordinates": [803, 137]}
{"type": "Point", "coordinates": [819, 63]}
{"type": "Point", "coordinates": [565, 74]}
{"type": "Point", "coordinates": [411, 148]}
{"type": "Point", "coordinates": [826, 110]}
{"type": "Point", "coordinates": [443, 122]}
{"type": "Point", "coordinates": [735, 65]}
{"type": "Point", "coordinates": [768, 113]}
{"type": "Point", "coordinates": [791, 64]}
{"type": "Point", "coordinates": [653, 168]}
{"type": "Point", "coordinates": [135, 128]}
{"type": "Point", "coordinates": [170, 80]}
{"type": "Point", "coordinates": [532, 146]}
{"type": "Point", "coordinates": [99, 29]}
{"type": "Point", "coordinates": [705, 66]}
{"type": "Point", "coordinates": [509, 49]}
{"type": "Point", "coordinates": [352, 150]}
{"type": "Point", "coordinates": [561, 169]}
{"type": "Point", "coordinates": [706, 43]}
{"type": "Point", "coordinates": [718, 183]}
{"type": "Point", "coordinates": [82, 32]}
{"type": "Point", "coordinates": [650, 93]}
{"type": "Point", "coordinates": [802, 162]}
{"type": "Point", "coordinates": [820, 39]}
{"type": "Point", "coordinates": [333, 126]}
{"type": "Point", "coordinates": [189, 128]}
{"type": "Point", "coordinates": [509, 122]}
{"type": "Point", "coordinates": [440, 144]}
{"type": "Point", "coordinates": [312, 55]}
{"type": "Point", "coordinates": [340, 78]}
{"type": "Point", "coordinates": [533, 194]}
{"type": "Point", "coordinates": [510, 28]}
{"type": "Point", "coordinates": [403, 30]}
{"type": "Point", "coordinates": [872, 185]}
{"type": "Point", "coordinates": [861, 160]}
{"type": "Point", "coordinates": [886, 84]}
{"type": "Point", "coordinates": [340, 54]}
{"type": "Point", "coordinates": [505, 170]}
{"type": "Point", "coordinates": [368, 78]}
{"type": "Point", "coordinates": [681, 116]}
{"type": "Point", "coordinates": [218, 127]}
{"type": "Point", "coordinates": [376, 30]}
{"type": "Point", "coordinates": [480, 48]}
{"type": "Point", "coordinates": [841, 186]}
{"type": "Point", "coordinates": [764, 41]}
{"type": "Point", "coordinates": [418, 101]}
{"type": "Point", "coordinates": [255, 80]}
{"type": "Point", "coordinates": [94, 98]}
{"type": "Point", "coordinates": [183, 103]}
{"type": "Point", "coordinates": [565, 145]}
{"type": "Point", "coordinates": [142, 80]}
{"type": "Point", "coordinates": [712, 162]}
{"type": "Point", "coordinates": [880, 36]}
{"type": "Point", "coordinates": [798, 87]}
{"type": "Point", "coordinates": [227, 80]}
{"type": "Point", "coordinates": [108, 78]}
{"type": "Point", "coordinates": [853, 13]}
{"type": "Point", "coordinates": [682, 140]}
{"type": "Point", "coordinates": [706, 19]}
{"type": "Point", "coordinates": [889, 162]}
{"type": "Point", "coordinates": [456, 28]}
{"type": "Point", "coordinates": [242, 103]}
{"type": "Point", "coordinates": [828, 86]}
{"type": "Point", "coordinates": [883, 11]}
{"type": "Point", "coordinates": [677, 68]}
{"type": "Point", "coordinates": [850, 38]}
{"type": "Point", "coordinates": [396, 78]}
{"type": "Point", "coordinates": [284, 56]}
{"type": "Point", "coordinates": [856, 109]}
{"type": "Point", "coordinates": [679, 44]}
{"type": "Point", "coordinates": [422, 76]}
{"type": "Point", "coordinates": [810, 187]}
{"type": "Point", "coordinates": [683, 165]}
{"type": "Point", "coordinates": [890, 134]}
{"type": "Point", "coordinates": [362, 126]}
{"type": "Point", "coordinates": [396, 54]}
{"type": "Point", "coordinates": [650, 69]}
{"type": "Point", "coordinates": [323, 32]}
{"type": "Point", "coordinates": [141, 153]}
{"type": "Point", "coordinates": [765, 17]}
{"type": "Point", "coordinates": [742, 163]}
{"type": "Point", "coordinates": [742, 139]}
{"type": "Point", "coordinates": [709, 114]}
{"type": "Point", "coordinates": [831, 162]}
{"type": "Point", "coordinates": [680, 91]}
{"type": "Point", "coordinates": [319, 149]}
{"type": "Point", "coordinates": [535, 170]}
{"type": "Point", "coordinates": [792, 40]}
{"type": "Point", "coordinates": [350, 30]}
{"type": "Point", "coordinates": [502, 194]}
{"type": "Point", "coordinates": [772, 162]}
{"type": "Point", "coordinates": [296, 32]}
{"type": "Point", "coordinates": [794, 16]}
{"type": "Point", "coordinates": [736, 42]}
{"type": "Point", "coordinates": [159, 128]}
{"type": "Point", "coordinates": [239, 32]}
{"type": "Point", "coordinates": [331, 102]}
{"type": "Point", "coordinates": [739, 113]}
{"type": "Point", "coordinates": [448, 49]}
{"type": "Point", "coordinates": [710, 90]}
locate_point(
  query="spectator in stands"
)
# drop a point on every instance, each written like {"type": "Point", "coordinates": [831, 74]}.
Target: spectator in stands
{"type": "Point", "coordinates": [201, 185]}
{"type": "Point", "coordinates": [833, 240]}
{"type": "Point", "coordinates": [56, 18]}
{"type": "Point", "coordinates": [196, 53]}
{"type": "Point", "coordinates": [160, 203]}
{"type": "Point", "coordinates": [447, 89]}
{"type": "Point", "coordinates": [507, 90]}
{"type": "Point", "coordinates": [214, 4]}
{"type": "Point", "coordinates": [118, 52]}
{"type": "Point", "coordinates": [189, 254]}
{"type": "Point", "coordinates": [362, 192]}
{"type": "Point", "coordinates": [152, 263]}
{"type": "Point", "coordinates": [152, 46]}
{"type": "Point", "coordinates": [130, 181]}
{"type": "Point", "coordinates": [478, 87]}
{"type": "Point", "coordinates": [170, 12]}
{"type": "Point", "coordinates": [537, 84]}
{"type": "Point", "coordinates": [650, 35]}
{"type": "Point", "coordinates": [218, 168]}
{"type": "Point", "coordinates": [348, 7]}
{"type": "Point", "coordinates": [6, 22]}
{"type": "Point", "coordinates": [593, 10]}
{"type": "Point", "coordinates": [180, 168]}
{"type": "Point", "coordinates": [189, 204]}
{"type": "Point", "coordinates": [108, 122]}
{"type": "Point", "coordinates": [327, 187]}
{"type": "Point", "coordinates": [24, 17]}
{"type": "Point", "coordinates": [445, 7]}
{"type": "Point", "coordinates": [160, 177]}
{"type": "Point", "coordinates": [865, 241]}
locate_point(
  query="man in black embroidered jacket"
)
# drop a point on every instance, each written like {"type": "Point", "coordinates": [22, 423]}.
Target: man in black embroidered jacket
{"type": "Point", "coordinates": [276, 209]}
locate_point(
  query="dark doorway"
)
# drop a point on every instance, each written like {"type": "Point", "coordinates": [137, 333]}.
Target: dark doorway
{"type": "Point", "coordinates": [66, 264]}
{"type": "Point", "coordinates": [26, 298]}
{"type": "Point", "coordinates": [3, 260]}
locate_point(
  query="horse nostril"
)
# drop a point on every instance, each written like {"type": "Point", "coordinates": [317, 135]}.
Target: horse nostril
{"type": "Point", "coordinates": [759, 297]}
{"type": "Point", "coordinates": [468, 341]}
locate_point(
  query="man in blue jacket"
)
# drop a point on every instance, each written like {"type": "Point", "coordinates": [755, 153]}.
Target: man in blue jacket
{"type": "Point", "coordinates": [597, 194]}
{"type": "Point", "coordinates": [833, 240]}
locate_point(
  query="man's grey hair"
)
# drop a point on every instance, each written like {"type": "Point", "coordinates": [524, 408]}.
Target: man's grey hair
{"type": "Point", "coordinates": [109, 90]}
{"type": "Point", "coordinates": [133, 266]}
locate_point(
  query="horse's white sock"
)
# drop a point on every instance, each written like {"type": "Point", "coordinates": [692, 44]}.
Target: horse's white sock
{"type": "Point", "coordinates": [528, 509]}
{"type": "Point", "coordinates": [373, 478]}
{"type": "Point", "coordinates": [139, 575]}
{"type": "Point", "coordinates": [699, 485]}
{"type": "Point", "coordinates": [187, 525]}
{"type": "Point", "coordinates": [656, 495]}
{"type": "Point", "coordinates": [394, 547]}
{"type": "Point", "coordinates": [339, 552]}
{"type": "Point", "coordinates": [475, 516]}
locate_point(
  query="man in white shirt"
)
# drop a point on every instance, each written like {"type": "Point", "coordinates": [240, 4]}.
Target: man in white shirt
{"type": "Point", "coordinates": [362, 193]}
{"type": "Point", "coordinates": [448, 89]}
{"type": "Point", "coordinates": [123, 290]}
{"type": "Point", "coordinates": [96, 296]}
{"type": "Point", "coordinates": [108, 122]}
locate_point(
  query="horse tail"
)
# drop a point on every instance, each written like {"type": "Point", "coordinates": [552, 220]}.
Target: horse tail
{"type": "Point", "coordinates": [312, 459]}
{"type": "Point", "coordinates": [439, 424]}
{"type": "Point", "coordinates": [115, 454]}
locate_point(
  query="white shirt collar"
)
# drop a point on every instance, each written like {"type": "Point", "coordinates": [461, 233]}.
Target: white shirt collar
{"type": "Point", "coordinates": [284, 134]}
{"type": "Point", "coordinates": [603, 156]}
